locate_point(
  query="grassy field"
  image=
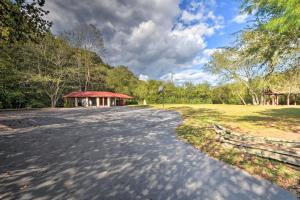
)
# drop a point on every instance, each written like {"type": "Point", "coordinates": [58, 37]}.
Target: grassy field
{"type": "Point", "coordinates": [270, 121]}
{"type": "Point", "coordinates": [278, 122]}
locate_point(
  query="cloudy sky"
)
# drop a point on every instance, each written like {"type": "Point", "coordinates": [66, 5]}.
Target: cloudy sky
{"type": "Point", "coordinates": [156, 38]}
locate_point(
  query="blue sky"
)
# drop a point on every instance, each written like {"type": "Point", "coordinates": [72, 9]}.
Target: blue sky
{"type": "Point", "coordinates": [156, 38]}
{"type": "Point", "coordinates": [229, 10]}
{"type": "Point", "coordinates": [232, 22]}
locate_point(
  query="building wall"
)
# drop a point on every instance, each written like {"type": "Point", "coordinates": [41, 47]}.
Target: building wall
{"type": "Point", "coordinates": [95, 101]}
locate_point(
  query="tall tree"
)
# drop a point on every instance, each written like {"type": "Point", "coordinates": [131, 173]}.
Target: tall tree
{"type": "Point", "coordinates": [22, 20]}
{"type": "Point", "coordinates": [121, 79]}
{"type": "Point", "coordinates": [276, 32]}
{"type": "Point", "coordinates": [88, 38]}
{"type": "Point", "coordinates": [54, 67]}
{"type": "Point", "coordinates": [280, 16]}
{"type": "Point", "coordinates": [231, 64]}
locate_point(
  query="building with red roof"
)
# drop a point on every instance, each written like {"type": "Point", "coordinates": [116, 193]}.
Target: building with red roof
{"type": "Point", "coordinates": [96, 98]}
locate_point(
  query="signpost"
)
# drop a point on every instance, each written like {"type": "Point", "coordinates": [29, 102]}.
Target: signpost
{"type": "Point", "coordinates": [161, 90]}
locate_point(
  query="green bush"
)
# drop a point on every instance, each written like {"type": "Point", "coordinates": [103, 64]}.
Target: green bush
{"type": "Point", "coordinates": [35, 104]}
{"type": "Point", "coordinates": [131, 102]}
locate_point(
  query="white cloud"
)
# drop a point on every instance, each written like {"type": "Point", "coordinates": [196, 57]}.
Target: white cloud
{"type": "Point", "coordinates": [195, 76]}
{"type": "Point", "coordinates": [187, 16]}
{"type": "Point", "coordinates": [204, 57]}
{"type": "Point", "coordinates": [153, 49]}
{"type": "Point", "coordinates": [143, 77]}
{"type": "Point", "coordinates": [241, 18]}
{"type": "Point", "coordinates": [144, 35]}
{"type": "Point", "coordinates": [143, 32]}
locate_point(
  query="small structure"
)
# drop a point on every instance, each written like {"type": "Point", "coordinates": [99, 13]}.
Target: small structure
{"type": "Point", "coordinates": [95, 98]}
{"type": "Point", "coordinates": [271, 97]}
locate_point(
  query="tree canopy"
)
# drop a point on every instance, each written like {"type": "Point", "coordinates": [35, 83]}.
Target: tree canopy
{"type": "Point", "coordinates": [22, 20]}
{"type": "Point", "coordinates": [280, 16]}
{"type": "Point", "coordinates": [268, 49]}
{"type": "Point", "coordinates": [37, 68]}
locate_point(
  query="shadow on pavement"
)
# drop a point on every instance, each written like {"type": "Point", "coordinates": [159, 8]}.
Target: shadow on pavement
{"type": "Point", "coordinates": [121, 153]}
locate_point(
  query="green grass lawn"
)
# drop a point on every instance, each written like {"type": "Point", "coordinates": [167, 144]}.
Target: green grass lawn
{"type": "Point", "coordinates": [269, 121]}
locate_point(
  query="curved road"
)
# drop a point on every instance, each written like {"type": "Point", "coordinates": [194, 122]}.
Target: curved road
{"type": "Point", "coordinates": [116, 153]}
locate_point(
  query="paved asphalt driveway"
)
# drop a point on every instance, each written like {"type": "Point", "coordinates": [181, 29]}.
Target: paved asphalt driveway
{"type": "Point", "coordinates": [118, 153]}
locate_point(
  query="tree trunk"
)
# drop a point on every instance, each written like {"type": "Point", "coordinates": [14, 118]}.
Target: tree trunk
{"type": "Point", "coordinates": [221, 100]}
{"type": "Point", "coordinates": [242, 99]}
{"type": "Point", "coordinates": [288, 99]}
{"type": "Point", "coordinates": [53, 102]}
{"type": "Point", "coordinates": [79, 71]}
{"type": "Point", "coordinates": [262, 99]}
{"type": "Point", "coordinates": [87, 77]}
{"type": "Point", "coordinates": [254, 100]}
{"type": "Point", "coordinates": [273, 100]}
{"type": "Point", "coordinates": [295, 99]}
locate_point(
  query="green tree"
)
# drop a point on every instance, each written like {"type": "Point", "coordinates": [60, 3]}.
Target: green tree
{"type": "Point", "coordinates": [22, 20]}
{"type": "Point", "coordinates": [53, 69]}
{"type": "Point", "coordinates": [233, 65]}
{"type": "Point", "coordinates": [276, 33]}
{"type": "Point", "coordinates": [141, 91]}
{"type": "Point", "coordinates": [11, 94]}
{"type": "Point", "coordinates": [88, 39]}
{"type": "Point", "coordinates": [281, 16]}
{"type": "Point", "coordinates": [121, 79]}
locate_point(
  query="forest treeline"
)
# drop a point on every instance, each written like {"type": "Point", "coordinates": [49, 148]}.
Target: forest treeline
{"type": "Point", "coordinates": [39, 74]}
{"type": "Point", "coordinates": [38, 68]}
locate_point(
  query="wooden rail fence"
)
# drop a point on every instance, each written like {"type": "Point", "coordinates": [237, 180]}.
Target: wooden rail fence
{"type": "Point", "coordinates": [276, 149]}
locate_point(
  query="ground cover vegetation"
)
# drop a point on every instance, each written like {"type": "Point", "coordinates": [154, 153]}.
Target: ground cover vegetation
{"type": "Point", "coordinates": [197, 130]}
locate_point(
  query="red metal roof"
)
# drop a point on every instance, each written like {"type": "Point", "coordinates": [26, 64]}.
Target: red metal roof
{"type": "Point", "coordinates": [97, 94]}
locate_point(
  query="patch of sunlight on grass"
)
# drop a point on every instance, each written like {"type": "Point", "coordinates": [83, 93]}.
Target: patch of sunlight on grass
{"type": "Point", "coordinates": [281, 122]}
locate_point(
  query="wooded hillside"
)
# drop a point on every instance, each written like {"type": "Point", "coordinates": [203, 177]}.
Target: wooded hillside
{"type": "Point", "coordinates": [37, 68]}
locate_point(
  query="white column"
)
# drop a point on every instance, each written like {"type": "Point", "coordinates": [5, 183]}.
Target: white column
{"type": "Point", "coordinates": [102, 101]}
{"type": "Point", "coordinates": [76, 102]}
{"type": "Point", "coordinates": [108, 102]}
{"type": "Point", "coordinates": [98, 101]}
{"type": "Point", "coordinates": [86, 101]}
{"type": "Point", "coordinates": [115, 101]}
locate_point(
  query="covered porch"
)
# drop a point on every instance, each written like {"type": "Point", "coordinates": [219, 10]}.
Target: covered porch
{"type": "Point", "coordinates": [277, 97]}
{"type": "Point", "coordinates": [95, 99]}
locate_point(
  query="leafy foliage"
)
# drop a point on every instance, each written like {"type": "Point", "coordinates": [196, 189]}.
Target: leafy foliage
{"type": "Point", "coordinates": [275, 37]}
{"type": "Point", "coordinates": [282, 16]}
{"type": "Point", "coordinates": [22, 20]}
{"type": "Point", "coordinates": [121, 80]}
{"type": "Point", "coordinates": [266, 51]}
{"type": "Point", "coordinates": [38, 74]}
